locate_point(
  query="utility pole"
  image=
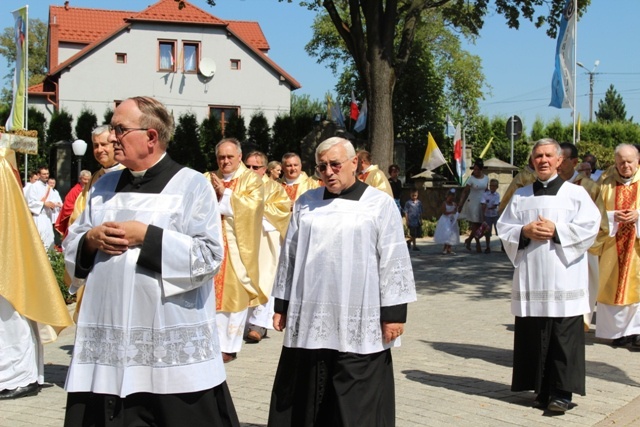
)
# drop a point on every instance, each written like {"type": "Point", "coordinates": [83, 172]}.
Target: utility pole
{"type": "Point", "coordinates": [591, 73]}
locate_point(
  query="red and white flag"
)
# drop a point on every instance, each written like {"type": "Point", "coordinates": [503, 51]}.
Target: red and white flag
{"type": "Point", "coordinates": [457, 151]}
{"type": "Point", "coordinates": [354, 107]}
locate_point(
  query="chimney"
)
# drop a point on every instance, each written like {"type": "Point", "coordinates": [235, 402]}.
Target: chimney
{"type": "Point", "coordinates": [66, 5]}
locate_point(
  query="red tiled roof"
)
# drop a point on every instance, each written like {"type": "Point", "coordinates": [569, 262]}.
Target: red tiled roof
{"type": "Point", "coordinates": [167, 10]}
{"type": "Point", "coordinates": [250, 32]}
{"type": "Point", "coordinates": [80, 25]}
{"type": "Point", "coordinates": [94, 26]}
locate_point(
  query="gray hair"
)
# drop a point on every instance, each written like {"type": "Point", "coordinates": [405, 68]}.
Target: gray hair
{"type": "Point", "coordinates": [547, 141]}
{"type": "Point", "coordinates": [329, 143]}
{"type": "Point", "coordinates": [85, 172]}
{"type": "Point", "coordinates": [623, 146]}
{"type": "Point", "coordinates": [234, 141]}
{"type": "Point", "coordinates": [99, 130]}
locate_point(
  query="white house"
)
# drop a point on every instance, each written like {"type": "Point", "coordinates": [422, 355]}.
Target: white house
{"type": "Point", "coordinates": [187, 58]}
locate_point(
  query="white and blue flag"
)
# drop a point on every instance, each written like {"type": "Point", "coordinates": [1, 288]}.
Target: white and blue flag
{"type": "Point", "coordinates": [562, 83]}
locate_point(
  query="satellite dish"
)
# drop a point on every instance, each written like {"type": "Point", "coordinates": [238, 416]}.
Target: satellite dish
{"type": "Point", "coordinates": [207, 67]}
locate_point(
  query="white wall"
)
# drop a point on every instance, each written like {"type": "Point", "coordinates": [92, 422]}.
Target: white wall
{"type": "Point", "coordinates": [96, 81]}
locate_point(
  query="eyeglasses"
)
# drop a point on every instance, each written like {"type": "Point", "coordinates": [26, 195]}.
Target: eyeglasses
{"type": "Point", "coordinates": [335, 166]}
{"type": "Point", "coordinates": [121, 131]}
{"type": "Point", "coordinates": [254, 167]}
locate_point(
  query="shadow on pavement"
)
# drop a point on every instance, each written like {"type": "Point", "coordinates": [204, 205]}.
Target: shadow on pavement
{"type": "Point", "coordinates": [55, 374]}
{"type": "Point", "coordinates": [479, 276]}
{"type": "Point", "coordinates": [502, 357]}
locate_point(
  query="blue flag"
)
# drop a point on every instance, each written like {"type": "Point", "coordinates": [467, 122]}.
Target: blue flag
{"type": "Point", "coordinates": [562, 83]}
{"type": "Point", "coordinates": [449, 128]}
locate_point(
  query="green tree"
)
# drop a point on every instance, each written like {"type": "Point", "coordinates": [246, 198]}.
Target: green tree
{"type": "Point", "coordinates": [185, 146]}
{"type": "Point", "coordinates": [235, 128]}
{"type": "Point", "coordinates": [611, 108]}
{"type": "Point", "coordinates": [87, 121]}
{"type": "Point", "coordinates": [37, 54]}
{"type": "Point", "coordinates": [259, 132]}
{"type": "Point", "coordinates": [285, 137]}
{"type": "Point", "coordinates": [379, 35]}
{"type": "Point", "coordinates": [208, 136]}
{"type": "Point", "coordinates": [106, 118]}
{"type": "Point", "coordinates": [59, 130]}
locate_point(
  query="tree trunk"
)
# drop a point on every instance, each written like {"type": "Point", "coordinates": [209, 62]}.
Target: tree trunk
{"type": "Point", "coordinates": [380, 116]}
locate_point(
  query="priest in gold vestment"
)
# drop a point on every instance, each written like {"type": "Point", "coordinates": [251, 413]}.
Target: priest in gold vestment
{"type": "Point", "coordinates": [277, 210]}
{"type": "Point", "coordinates": [241, 197]}
{"type": "Point", "coordinates": [296, 182]}
{"type": "Point", "coordinates": [618, 245]}
{"type": "Point", "coordinates": [371, 174]}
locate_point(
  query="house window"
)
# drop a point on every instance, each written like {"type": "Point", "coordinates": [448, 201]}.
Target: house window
{"type": "Point", "coordinates": [223, 114]}
{"type": "Point", "coordinates": [167, 55]}
{"type": "Point", "coordinates": [191, 55]}
{"type": "Point", "coordinates": [235, 64]}
{"type": "Point", "coordinates": [121, 58]}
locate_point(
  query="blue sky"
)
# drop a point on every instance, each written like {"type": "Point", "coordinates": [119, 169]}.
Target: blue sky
{"type": "Point", "coordinates": [518, 64]}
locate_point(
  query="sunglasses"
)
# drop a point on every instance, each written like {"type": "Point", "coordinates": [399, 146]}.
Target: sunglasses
{"type": "Point", "coordinates": [335, 166]}
{"type": "Point", "coordinates": [254, 167]}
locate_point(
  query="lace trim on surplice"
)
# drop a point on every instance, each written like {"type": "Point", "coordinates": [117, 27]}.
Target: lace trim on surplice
{"type": "Point", "coordinates": [157, 348]}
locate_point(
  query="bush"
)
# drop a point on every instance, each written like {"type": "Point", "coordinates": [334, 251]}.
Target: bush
{"type": "Point", "coordinates": [57, 264]}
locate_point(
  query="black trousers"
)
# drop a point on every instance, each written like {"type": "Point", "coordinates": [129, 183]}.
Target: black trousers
{"type": "Point", "coordinates": [212, 407]}
{"type": "Point", "coordinates": [329, 388]}
{"type": "Point", "coordinates": [549, 354]}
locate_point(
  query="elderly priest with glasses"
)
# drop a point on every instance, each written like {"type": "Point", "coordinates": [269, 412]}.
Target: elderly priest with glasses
{"type": "Point", "coordinates": [342, 287]}
{"type": "Point", "coordinates": [148, 245]}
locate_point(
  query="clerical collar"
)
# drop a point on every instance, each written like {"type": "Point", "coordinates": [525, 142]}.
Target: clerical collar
{"type": "Point", "coordinates": [112, 168]}
{"type": "Point", "coordinates": [227, 176]}
{"type": "Point", "coordinates": [139, 174]}
{"type": "Point", "coordinates": [290, 181]}
{"type": "Point", "coordinates": [367, 169]}
{"type": "Point", "coordinates": [549, 187]}
{"type": "Point", "coordinates": [352, 193]}
{"type": "Point", "coordinates": [625, 181]}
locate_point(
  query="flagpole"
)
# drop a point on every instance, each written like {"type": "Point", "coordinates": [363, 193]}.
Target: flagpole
{"type": "Point", "coordinates": [575, 56]}
{"type": "Point", "coordinates": [26, 91]}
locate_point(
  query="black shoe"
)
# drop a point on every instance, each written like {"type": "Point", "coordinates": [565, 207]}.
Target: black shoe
{"type": "Point", "coordinates": [28, 390]}
{"type": "Point", "coordinates": [542, 401]}
{"type": "Point", "coordinates": [635, 341]}
{"type": "Point", "coordinates": [558, 404]}
{"type": "Point", "coordinates": [622, 341]}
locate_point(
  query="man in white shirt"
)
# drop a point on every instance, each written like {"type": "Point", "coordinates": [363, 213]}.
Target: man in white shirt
{"type": "Point", "coordinates": [42, 204]}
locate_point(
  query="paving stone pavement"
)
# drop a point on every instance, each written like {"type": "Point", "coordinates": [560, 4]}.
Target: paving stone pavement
{"type": "Point", "coordinates": [453, 369]}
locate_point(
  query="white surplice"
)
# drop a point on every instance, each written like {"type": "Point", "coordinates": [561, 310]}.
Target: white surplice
{"type": "Point", "coordinates": [550, 279]}
{"type": "Point", "coordinates": [139, 330]}
{"type": "Point", "coordinates": [21, 352]}
{"type": "Point", "coordinates": [342, 260]}
{"type": "Point", "coordinates": [42, 215]}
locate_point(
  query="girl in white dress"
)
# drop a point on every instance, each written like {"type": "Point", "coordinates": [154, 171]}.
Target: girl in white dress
{"type": "Point", "coordinates": [447, 231]}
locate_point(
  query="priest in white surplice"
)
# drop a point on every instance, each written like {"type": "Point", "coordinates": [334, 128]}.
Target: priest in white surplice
{"type": "Point", "coordinates": [342, 287]}
{"type": "Point", "coordinates": [42, 204]}
{"type": "Point", "coordinates": [546, 229]}
{"type": "Point", "coordinates": [148, 244]}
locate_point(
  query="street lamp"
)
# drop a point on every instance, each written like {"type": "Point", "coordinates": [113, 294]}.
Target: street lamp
{"type": "Point", "coordinates": [591, 74]}
{"type": "Point", "coordinates": [79, 147]}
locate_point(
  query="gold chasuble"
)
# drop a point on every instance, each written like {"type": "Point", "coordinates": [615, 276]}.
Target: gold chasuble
{"type": "Point", "coordinates": [588, 184]}
{"type": "Point", "coordinates": [377, 179]}
{"type": "Point", "coordinates": [301, 185]}
{"type": "Point", "coordinates": [277, 205]}
{"type": "Point", "coordinates": [236, 284]}
{"type": "Point", "coordinates": [619, 254]}
{"type": "Point", "coordinates": [27, 280]}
